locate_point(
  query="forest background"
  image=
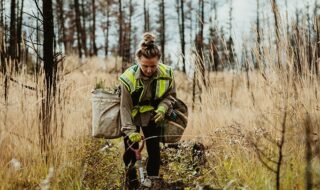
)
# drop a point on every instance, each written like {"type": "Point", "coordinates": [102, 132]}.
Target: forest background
{"type": "Point", "coordinates": [250, 79]}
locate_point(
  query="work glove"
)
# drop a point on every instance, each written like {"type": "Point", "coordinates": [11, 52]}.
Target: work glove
{"type": "Point", "coordinates": [135, 137]}
{"type": "Point", "coordinates": [160, 113]}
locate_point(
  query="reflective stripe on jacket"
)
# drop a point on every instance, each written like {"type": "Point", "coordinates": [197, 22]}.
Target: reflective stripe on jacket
{"type": "Point", "coordinates": [164, 83]}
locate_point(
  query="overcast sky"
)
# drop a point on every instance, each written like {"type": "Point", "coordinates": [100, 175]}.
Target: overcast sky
{"type": "Point", "coordinates": [244, 15]}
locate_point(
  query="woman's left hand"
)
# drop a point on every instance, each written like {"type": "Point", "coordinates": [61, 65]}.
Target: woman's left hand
{"type": "Point", "coordinates": [160, 113]}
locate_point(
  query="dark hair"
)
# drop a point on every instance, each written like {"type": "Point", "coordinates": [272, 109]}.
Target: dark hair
{"type": "Point", "coordinates": [148, 48]}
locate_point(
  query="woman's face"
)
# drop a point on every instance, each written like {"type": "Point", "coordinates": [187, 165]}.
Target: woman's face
{"type": "Point", "coordinates": [148, 66]}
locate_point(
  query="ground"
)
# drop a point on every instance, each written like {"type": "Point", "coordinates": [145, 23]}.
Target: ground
{"type": "Point", "coordinates": [183, 165]}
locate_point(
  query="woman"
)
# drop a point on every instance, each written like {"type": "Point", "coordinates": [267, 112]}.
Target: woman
{"type": "Point", "coordinates": [147, 93]}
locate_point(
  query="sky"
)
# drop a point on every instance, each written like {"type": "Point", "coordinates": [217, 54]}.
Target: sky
{"type": "Point", "coordinates": [244, 15]}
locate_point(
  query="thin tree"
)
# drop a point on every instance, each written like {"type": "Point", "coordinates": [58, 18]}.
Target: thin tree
{"type": "Point", "coordinates": [1, 13]}
{"type": "Point", "coordinates": [50, 69]}
{"type": "Point", "coordinates": [230, 43]}
{"type": "Point", "coordinates": [62, 38]}
{"type": "Point", "coordinates": [317, 44]}
{"type": "Point", "coordinates": [308, 153]}
{"type": "Point", "coordinates": [95, 49]}
{"type": "Point", "coordinates": [275, 11]}
{"type": "Point", "coordinates": [106, 28]}
{"type": "Point", "coordinates": [78, 26]}
{"type": "Point", "coordinates": [19, 31]}
{"type": "Point", "coordinates": [257, 65]}
{"type": "Point", "coordinates": [199, 42]}
{"type": "Point", "coordinates": [265, 154]}
{"type": "Point", "coordinates": [310, 61]}
{"type": "Point", "coordinates": [214, 39]}
{"type": "Point", "coordinates": [13, 34]}
{"type": "Point", "coordinates": [3, 65]}
{"type": "Point", "coordinates": [162, 29]}
{"type": "Point", "coordinates": [181, 23]}
{"type": "Point", "coordinates": [83, 28]}
{"type": "Point", "coordinates": [127, 31]}
{"type": "Point", "coordinates": [120, 41]}
{"type": "Point", "coordinates": [146, 17]}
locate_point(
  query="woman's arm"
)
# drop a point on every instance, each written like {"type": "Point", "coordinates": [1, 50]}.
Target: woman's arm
{"type": "Point", "coordinates": [126, 105]}
{"type": "Point", "coordinates": [169, 98]}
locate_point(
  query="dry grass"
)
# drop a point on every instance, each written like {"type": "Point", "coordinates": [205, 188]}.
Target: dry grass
{"type": "Point", "coordinates": [227, 125]}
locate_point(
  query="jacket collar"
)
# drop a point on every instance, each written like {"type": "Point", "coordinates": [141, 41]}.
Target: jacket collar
{"type": "Point", "coordinates": [139, 75]}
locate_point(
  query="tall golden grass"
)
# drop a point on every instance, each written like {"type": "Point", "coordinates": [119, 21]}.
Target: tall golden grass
{"type": "Point", "coordinates": [232, 119]}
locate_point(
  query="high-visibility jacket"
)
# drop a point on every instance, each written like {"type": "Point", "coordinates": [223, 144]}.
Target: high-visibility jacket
{"type": "Point", "coordinates": [164, 82]}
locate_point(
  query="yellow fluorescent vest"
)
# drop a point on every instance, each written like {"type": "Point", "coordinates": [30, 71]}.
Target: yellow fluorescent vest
{"type": "Point", "coordinates": [164, 83]}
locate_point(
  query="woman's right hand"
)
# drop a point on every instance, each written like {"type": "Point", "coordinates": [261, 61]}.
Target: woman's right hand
{"type": "Point", "coordinates": [135, 137]}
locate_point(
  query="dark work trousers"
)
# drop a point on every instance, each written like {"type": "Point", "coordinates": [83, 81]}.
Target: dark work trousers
{"type": "Point", "coordinates": [151, 134]}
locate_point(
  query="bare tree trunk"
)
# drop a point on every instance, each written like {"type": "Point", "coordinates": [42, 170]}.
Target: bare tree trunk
{"type": "Point", "coordinates": [19, 31]}
{"type": "Point", "coordinates": [61, 20]}
{"type": "Point", "coordinates": [106, 49]}
{"type": "Point", "coordinates": [308, 153]}
{"type": "Point", "coordinates": [287, 19]}
{"type": "Point", "coordinates": [199, 42]}
{"type": "Point", "coordinates": [2, 12]}
{"type": "Point", "coordinates": [95, 49]}
{"type": "Point", "coordinates": [129, 31]}
{"type": "Point", "coordinates": [194, 80]}
{"type": "Point", "coordinates": [126, 38]}
{"type": "Point", "coordinates": [183, 43]}
{"type": "Point", "coordinates": [162, 30]}
{"type": "Point", "coordinates": [83, 29]}
{"type": "Point", "coordinates": [257, 65]}
{"type": "Point", "coordinates": [318, 45]}
{"type": "Point", "coordinates": [275, 11]}
{"type": "Point", "coordinates": [120, 20]}
{"type": "Point", "coordinates": [214, 39]}
{"type": "Point", "coordinates": [180, 11]}
{"type": "Point", "coordinates": [3, 66]}
{"type": "Point", "coordinates": [146, 17]}
{"type": "Point", "coordinates": [78, 26]}
{"type": "Point", "coordinates": [317, 28]}
{"type": "Point", "coordinates": [13, 35]}
{"type": "Point", "coordinates": [37, 69]}
{"type": "Point", "coordinates": [310, 61]}
{"type": "Point", "coordinates": [50, 77]}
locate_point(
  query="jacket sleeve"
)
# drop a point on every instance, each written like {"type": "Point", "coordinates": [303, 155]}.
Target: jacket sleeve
{"type": "Point", "coordinates": [126, 105]}
{"type": "Point", "coordinates": [169, 98]}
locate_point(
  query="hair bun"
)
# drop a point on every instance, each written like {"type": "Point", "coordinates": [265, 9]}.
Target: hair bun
{"type": "Point", "coordinates": [148, 39]}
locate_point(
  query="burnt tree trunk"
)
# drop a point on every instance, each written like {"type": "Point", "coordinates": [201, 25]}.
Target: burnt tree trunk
{"type": "Point", "coordinates": [19, 32]}
{"type": "Point", "coordinates": [50, 69]}
{"type": "Point", "coordinates": [275, 11]}
{"type": "Point", "coordinates": [146, 17]}
{"type": "Point", "coordinates": [83, 29]}
{"type": "Point", "coordinates": [120, 41]}
{"type": "Point", "coordinates": [181, 21]}
{"type": "Point", "coordinates": [78, 26]}
{"type": "Point", "coordinates": [95, 49]}
{"type": "Point", "coordinates": [183, 43]}
{"type": "Point", "coordinates": [3, 66]}
{"type": "Point", "coordinates": [310, 61]}
{"type": "Point", "coordinates": [106, 48]}
{"type": "Point", "coordinates": [61, 19]}
{"type": "Point", "coordinates": [318, 45]}
{"type": "Point", "coordinates": [127, 36]}
{"type": "Point", "coordinates": [257, 65]}
{"type": "Point", "coordinates": [1, 12]}
{"type": "Point", "coordinates": [199, 42]}
{"type": "Point", "coordinates": [13, 34]}
{"type": "Point", "coordinates": [162, 30]}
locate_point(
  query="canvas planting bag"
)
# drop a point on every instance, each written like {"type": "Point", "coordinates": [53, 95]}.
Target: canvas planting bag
{"type": "Point", "coordinates": [105, 114]}
{"type": "Point", "coordinates": [173, 128]}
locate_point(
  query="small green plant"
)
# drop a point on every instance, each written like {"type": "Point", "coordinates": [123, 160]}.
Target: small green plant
{"type": "Point", "coordinates": [100, 84]}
